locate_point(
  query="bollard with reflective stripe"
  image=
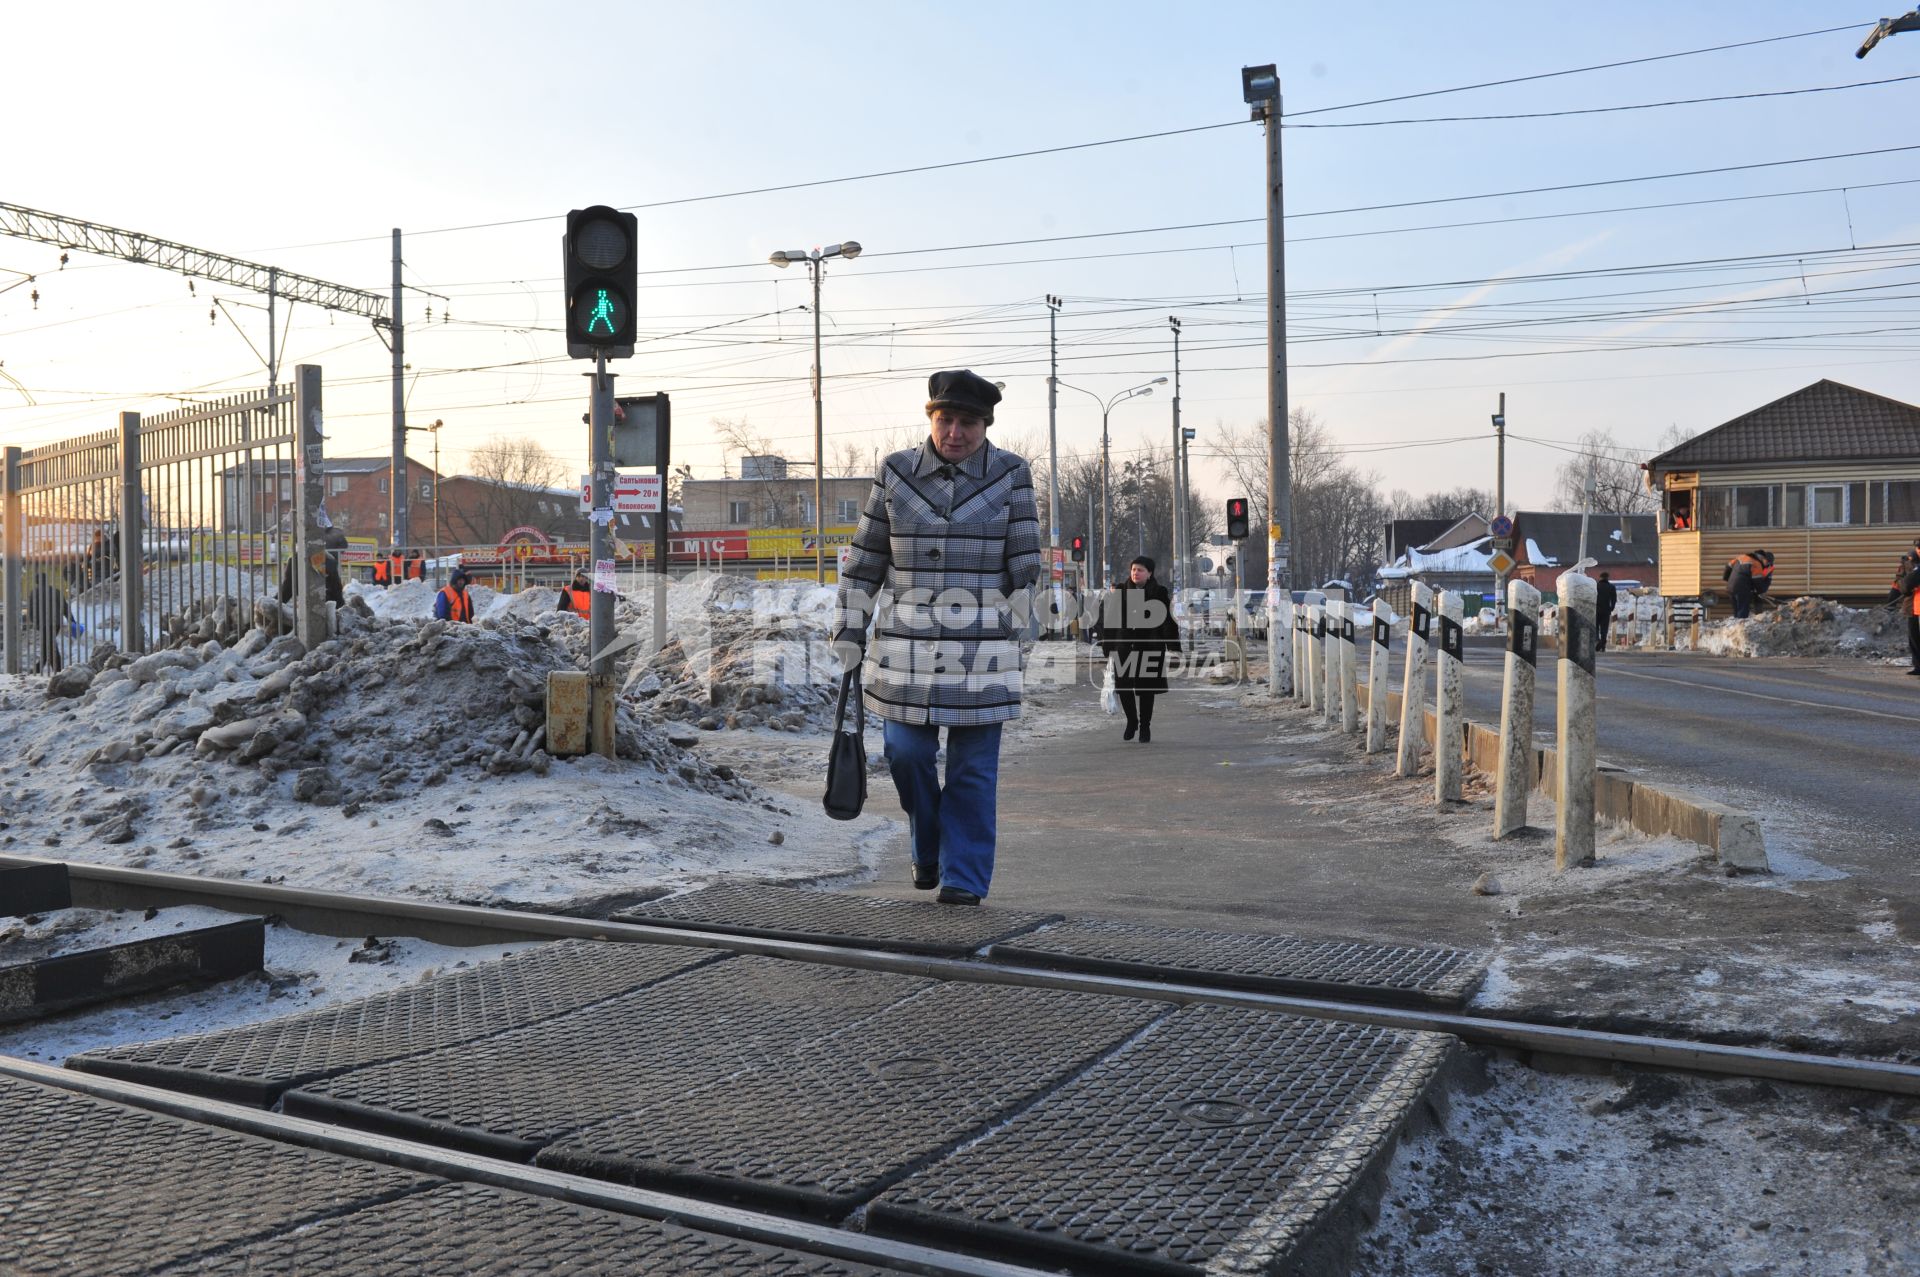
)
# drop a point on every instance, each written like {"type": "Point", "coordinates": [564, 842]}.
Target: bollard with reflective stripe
{"type": "Point", "coordinates": [1515, 778]}
{"type": "Point", "coordinates": [1413, 693]}
{"type": "Point", "coordinates": [1355, 620]}
{"type": "Point", "coordinates": [1316, 658]}
{"type": "Point", "coordinates": [1577, 729]}
{"type": "Point", "coordinates": [1449, 708]}
{"type": "Point", "coordinates": [1377, 678]}
{"type": "Point", "coordinates": [1330, 661]}
{"type": "Point", "coordinates": [1302, 652]}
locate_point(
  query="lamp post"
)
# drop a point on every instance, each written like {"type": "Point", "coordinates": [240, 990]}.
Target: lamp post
{"type": "Point", "coordinates": [1106, 490]}
{"type": "Point", "coordinates": [816, 261]}
{"type": "Point", "coordinates": [433, 430]}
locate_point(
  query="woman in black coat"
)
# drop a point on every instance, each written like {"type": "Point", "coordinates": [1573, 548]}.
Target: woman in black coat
{"type": "Point", "coordinates": [1137, 632]}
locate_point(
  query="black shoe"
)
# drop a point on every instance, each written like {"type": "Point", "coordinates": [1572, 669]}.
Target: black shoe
{"type": "Point", "coordinates": [1146, 732]}
{"type": "Point", "coordinates": [957, 896]}
{"type": "Point", "coordinates": [1128, 734]}
{"type": "Point", "coordinates": [1914, 671]}
{"type": "Point", "coordinates": [925, 878]}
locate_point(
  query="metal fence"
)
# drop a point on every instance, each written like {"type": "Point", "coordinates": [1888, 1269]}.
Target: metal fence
{"type": "Point", "coordinates": [136, 536]}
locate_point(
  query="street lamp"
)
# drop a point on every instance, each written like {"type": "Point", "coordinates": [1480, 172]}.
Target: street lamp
{"type": "Point", "coordinates": [1106, 493]}
{"type": "Point", "coordinates": [433, 430]}
{"type": "Point", "coordinates": [815, 261]}
{"type": "Point", "coordinates": [1909, 21]}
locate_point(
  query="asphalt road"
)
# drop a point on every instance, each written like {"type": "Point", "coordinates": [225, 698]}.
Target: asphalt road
{"type": "Point", "coordinates": [1825, 750]}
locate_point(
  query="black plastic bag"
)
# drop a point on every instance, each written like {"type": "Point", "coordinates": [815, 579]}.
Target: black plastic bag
{"type": "Point", "coordinates": [847, 759]}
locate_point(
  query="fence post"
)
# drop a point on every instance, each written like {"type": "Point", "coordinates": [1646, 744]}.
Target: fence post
{"type": "Point", "coordinates": [310, 555]}
{"type": "Point", "coordinates": [1305, 671]}
{"type": "Point", "coordinates": [1377, 678]}
{"type": "Point", "coordinates": [1413, 691]}
{"type": "Point", "coordinates": [12, 531]}
{"type": "Point", "coordinates": [1516, 778]}
{"type": "Point", "coordinates": [1449, 709]}
{"type": "Point", "coordinates": [1578, 730]}
{"type": "Point", "coordinates": [133, 623]}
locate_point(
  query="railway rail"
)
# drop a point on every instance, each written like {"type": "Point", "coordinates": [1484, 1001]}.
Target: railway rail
{"type": "Point", "coordinates": [333, 913]}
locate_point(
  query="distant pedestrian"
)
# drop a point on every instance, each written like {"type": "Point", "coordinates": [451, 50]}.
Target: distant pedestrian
{"type": "Point", "coordinates": [946, 552]}
{"type": "Point", "coordinates": [1138, 634]}
{"type": "Point", "coordinates": [452, 603]}
{"type": "Point", "coordinates": [47, 615]}
{"type": "Point", "coordinates": [1605, 596]}
{"type": "Point", "coordinates": [416, 566]}
{"type": "Point", "coordinates": [1908, 586]}
{"type": "Point", "coordinates": [577, 598]}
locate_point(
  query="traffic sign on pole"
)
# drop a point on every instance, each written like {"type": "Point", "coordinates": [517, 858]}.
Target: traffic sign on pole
{"type": "Point", "coordinates": [629, 493]}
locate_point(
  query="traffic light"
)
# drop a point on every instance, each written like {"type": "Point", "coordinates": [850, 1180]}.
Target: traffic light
{"type": "Point", "coordinates": [1079, 550]}
{"type": "Point", "coordinates": [1236, 518]}
{"type": "Point", "coordinates": [601, 249]}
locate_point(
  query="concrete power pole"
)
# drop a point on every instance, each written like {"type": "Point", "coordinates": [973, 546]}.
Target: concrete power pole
{"type": "Point", "coordinates": [397, 477]}
{"type": "Point", "coordinates": [1260, 88]}
{"type": "Point", "coordinates": [1178, 569]}
{"type": "Point", "coordinates": [1500, 490]}
{"type": "Point", "coordinates": [1053, 451]}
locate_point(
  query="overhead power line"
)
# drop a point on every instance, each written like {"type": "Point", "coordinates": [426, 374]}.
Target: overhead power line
{"type": "Point", "coordinates": [1604, 110]}
{"type": "Point", "coordinates": [1582, 70]}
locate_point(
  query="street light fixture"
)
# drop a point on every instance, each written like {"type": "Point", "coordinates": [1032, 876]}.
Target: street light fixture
{"type": "Point", "coordinates": [1909, 21]}
{"type": "Point", "coordinates": [815, 260]}
{"type": "Point", "coordinates": [1106, 492]}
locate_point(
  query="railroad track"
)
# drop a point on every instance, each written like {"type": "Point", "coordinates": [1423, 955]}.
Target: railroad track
{"type": "Point", "coordinates": [333, 913]}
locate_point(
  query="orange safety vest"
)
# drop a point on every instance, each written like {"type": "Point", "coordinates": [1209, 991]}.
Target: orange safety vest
{"type": "Point", "coordinates": [580, 601]}
{"type": "Point", "coordinates": [459, 606]}
{"type": "Point", "coordinates": [379, 571]}
{"type": "Point", "coordinates": [416, 570]}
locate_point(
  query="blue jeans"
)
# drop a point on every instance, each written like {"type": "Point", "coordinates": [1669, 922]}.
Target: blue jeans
{"type": "Point", "coordinates": [953, 824]}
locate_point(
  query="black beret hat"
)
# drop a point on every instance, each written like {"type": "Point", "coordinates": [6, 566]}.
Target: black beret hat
{"type": "Point", "coordinates": [964, 391]}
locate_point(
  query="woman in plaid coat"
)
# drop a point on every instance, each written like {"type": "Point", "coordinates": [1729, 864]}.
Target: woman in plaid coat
{"type": "Point", "coordinates": [941, 567]}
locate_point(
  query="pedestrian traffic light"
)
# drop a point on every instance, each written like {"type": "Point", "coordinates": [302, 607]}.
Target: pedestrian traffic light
{"type": "Point", "coordinates": [601, 249]}
{"type": "Point", "coordinates": [1236, 518]}
{"type": "Point", "coordinates": [1079, 550]}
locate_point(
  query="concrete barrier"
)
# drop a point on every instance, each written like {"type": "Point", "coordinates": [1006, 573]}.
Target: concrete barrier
{"type": "Point", "coordinates": [1511, 783]}
{"type": "Point", "coordinates": [1407, 756]}
{"type": "Point", "coordinates": [1449, 706]}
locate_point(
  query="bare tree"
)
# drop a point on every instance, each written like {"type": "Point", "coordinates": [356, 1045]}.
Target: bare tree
{"type": "Point", "coordinates": [1619, 483]}
{"type": "Point", "coordinates": [517, 476]}
{"type": "Point", "coordinates": [774, 498]}
{"type": "Point", "coordinates": [1337, 511]}
{"type": "Point", "coordinates": [1454, 503]}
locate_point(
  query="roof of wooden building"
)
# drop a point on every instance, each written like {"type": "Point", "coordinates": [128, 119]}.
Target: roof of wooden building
{"type": "Point", "coordinates": [1826, 421]}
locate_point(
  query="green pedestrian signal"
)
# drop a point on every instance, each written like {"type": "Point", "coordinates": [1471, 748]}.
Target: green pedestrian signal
{"type": "Point", "coordinates": [601, 252]}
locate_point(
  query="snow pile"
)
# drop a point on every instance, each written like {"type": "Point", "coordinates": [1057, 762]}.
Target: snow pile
{"type": "Point", "coordinates": [384, 709]}
{"type": "Point", "coordinates": [1809, 626]}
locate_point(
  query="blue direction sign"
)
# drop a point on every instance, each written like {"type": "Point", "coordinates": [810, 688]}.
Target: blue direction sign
{"type": "Point", "coordinates": [1501, 526]}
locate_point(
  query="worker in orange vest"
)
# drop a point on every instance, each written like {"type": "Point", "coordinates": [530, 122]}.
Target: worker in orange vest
{"type": "Point", "coordinates": [1748, 576]}
{"type": "Point", "coordinates": [1908, 583]}
{"type": "Point", "coordinates": [415, 568]}
{"type": "Point", "coordinates": [381, 575]}
{"type": "Point", "coordinates": [452, 603]}
{"type": "Point", "coordinates": [578, 597]}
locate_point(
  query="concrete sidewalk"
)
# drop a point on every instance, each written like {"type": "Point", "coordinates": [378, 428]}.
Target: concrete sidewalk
{"type": "Point", "coordinates": [1244, 814]}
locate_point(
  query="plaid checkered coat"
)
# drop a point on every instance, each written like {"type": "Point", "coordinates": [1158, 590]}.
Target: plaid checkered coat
{"type": "Point", "coordinates": [941, 555]}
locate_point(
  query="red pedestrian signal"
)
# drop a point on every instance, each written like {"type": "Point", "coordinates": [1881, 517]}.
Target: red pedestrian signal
{"type": "Point", "coordinates": [1237, 518]}
{"type": "Point", "coordinates": [1079, 550]}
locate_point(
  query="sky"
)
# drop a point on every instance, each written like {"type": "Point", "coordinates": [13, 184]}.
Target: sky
{"type": "Point", "coordinates": [300, 136]}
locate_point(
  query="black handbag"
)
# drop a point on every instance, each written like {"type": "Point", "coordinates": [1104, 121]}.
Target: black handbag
{"type": "Point", "coordinates": [847, 759]}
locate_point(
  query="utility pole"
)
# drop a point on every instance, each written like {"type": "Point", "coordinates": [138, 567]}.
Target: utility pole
{"type": "Point", "coordinates": [1260, 88]}
{"type": "Point", "coordinates": [397, 483]}
{"type": "Point", "coordinates": [1178, 567]}
{"type": "Point", "coordinates": [1053, 448]}
{"type": "Point", "coordinates": [1500, 494]}
{"type": "Point", "coordinates": [600, 618]}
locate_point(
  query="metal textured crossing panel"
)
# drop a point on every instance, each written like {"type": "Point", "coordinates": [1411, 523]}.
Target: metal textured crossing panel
{"type": "Point", "coordinates": [789, 913]}
{"type": "Point", "coordinates": [836, 1120]}
{"type": "Point", "coordinates": [256, 1063]}
{"type": "Point", "coordinates": [470, 1231]}
{"type": "Point", "coordinates": [1271, 964]}
{"type": "Point", "coordinates": [1222, 1137]}
{"type": "Point", "coordinates": [510, 1094]}
{"type": "Point", "coordinates": [93, 1189]}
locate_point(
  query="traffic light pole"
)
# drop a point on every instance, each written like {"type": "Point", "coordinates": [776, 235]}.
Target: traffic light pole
{"type": "Point", "coordinates": [397, 474]}
{"type": "Point", "coordinates": [600, 615]}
